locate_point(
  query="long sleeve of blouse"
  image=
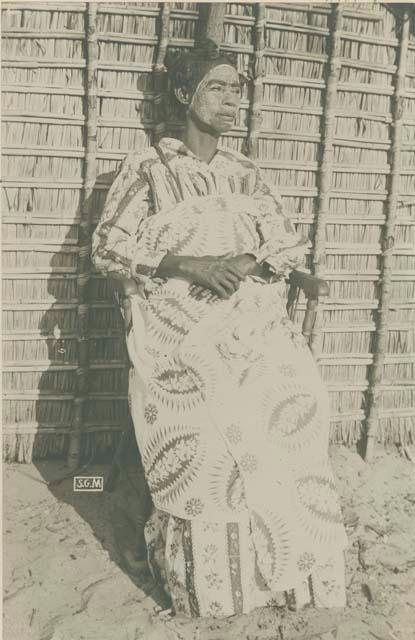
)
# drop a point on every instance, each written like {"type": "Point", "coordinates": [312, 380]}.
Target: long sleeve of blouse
{"type": "Point", "coordinates": [281, 247]}
{"type": "Point", "coordinates": [116, 249]}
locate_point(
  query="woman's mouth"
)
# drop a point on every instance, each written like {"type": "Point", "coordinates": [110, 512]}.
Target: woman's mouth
{"type": "Point", "coordinates": [227, 116]}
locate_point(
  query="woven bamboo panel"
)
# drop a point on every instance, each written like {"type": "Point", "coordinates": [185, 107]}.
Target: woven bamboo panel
{"type": "Point", "coordinates": [43, 149]}
{"type": "Point", "coordinates": [45, 155]}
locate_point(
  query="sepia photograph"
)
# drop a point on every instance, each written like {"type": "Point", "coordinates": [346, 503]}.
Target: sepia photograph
{"type": "Point", "coordinates": [208, 320]}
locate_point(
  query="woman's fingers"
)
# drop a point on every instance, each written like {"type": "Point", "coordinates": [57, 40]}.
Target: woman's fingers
{"type": "Point", "coordinates": [196, 290]}
{"type": "Point", "coordinates": [215, 275]}
{"type": "Point", "coordinates": [201, 292]}
{"type": "Point", "coordinates": [230, 282]}
{"type": "Point", "coordinates": [232, 278]}
{"type": "Point", "coordinates": [205, 293]}
{"type": "Point", "coordinates": [225, 283]}
{"type": "Point", "coordinates": [221, 291]}
{"type": "Point", "coordinates": [235, 271]}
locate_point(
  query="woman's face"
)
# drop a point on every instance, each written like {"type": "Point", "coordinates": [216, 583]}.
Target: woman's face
{"type": "Point", "coordinates": [215, 103]}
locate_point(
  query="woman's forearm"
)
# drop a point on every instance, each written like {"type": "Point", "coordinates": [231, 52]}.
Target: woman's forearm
{"type": "Point", "coordinates": [173, 267]}
{"type": "Point", "coordinates": [216, 273]}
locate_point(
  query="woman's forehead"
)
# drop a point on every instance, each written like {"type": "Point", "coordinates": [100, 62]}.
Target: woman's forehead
{"type": "Point", "coordinates": [224, 73]}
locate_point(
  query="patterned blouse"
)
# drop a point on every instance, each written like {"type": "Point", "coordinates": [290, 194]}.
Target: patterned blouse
{"type": "Point", "coordinates": [144, 186]}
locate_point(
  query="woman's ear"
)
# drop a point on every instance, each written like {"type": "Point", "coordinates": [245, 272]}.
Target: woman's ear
{"type": "Point", "coordinates": [182, 95]}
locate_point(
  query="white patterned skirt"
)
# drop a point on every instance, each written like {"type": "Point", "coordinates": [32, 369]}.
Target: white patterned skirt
{"type": "Point", "coordinates": [210, 569]}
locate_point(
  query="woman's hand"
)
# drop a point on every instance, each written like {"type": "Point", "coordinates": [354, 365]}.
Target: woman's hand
{"type": "Point", "coordinates": [245, 264]}
{"type": "Point", "coordinates": [216, 274]}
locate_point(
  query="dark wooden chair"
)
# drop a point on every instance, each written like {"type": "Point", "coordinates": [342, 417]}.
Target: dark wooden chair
{"type": "Point", "coordinates": [313, 289]}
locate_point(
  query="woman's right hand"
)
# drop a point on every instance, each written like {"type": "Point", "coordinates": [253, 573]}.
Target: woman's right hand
{"type": "Point", "coordinates": [214, 273]}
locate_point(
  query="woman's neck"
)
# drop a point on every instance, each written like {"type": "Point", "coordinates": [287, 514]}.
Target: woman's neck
{"type": "Point", "coordinates": [202, 143]}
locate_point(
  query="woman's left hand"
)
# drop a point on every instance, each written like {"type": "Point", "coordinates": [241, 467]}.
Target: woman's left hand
{"type": "Point", "coordinates": [245, 263]}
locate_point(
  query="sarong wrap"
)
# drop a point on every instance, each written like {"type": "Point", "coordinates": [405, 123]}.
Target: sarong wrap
{"type": "Point", "coordinates": [230, 414]}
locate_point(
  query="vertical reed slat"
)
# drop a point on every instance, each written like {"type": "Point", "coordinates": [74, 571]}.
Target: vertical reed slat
{"type": "Point", "coordinates": [327, 157]}
{"type": "Point", "coordinates": [160, 68]}
{"type": "Point", "coordinates": [84, 242]}
{"type": "Point", "coordinates": [388, 240]}
{"type": "Point", "coordinates": [255, 111]}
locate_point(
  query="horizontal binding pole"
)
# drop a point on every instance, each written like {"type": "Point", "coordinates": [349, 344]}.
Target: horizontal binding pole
{"type": "Point", "coordinates": [370, 66]}
{"type": "Point", "coordinates": [41, 218]}
{"type": "Point", "coordinates": [400, 276]}
{"type": "Point", "coordinates": [15, 336]}
{"type": "Point", "coordinates": [20, 115]}
{"type": "Point", "coordinates": [366, 88]}
{"type": "Point", "coordinates": [333, 359]}
{"type": "Point", "coordinates": [273, 25]}
{"type": "Point", "coordinates": [365, 358]}
{"type": "Point", "coordinates": [51, 305]}
{"type": "Point", "coordinates": [37, 63]}
{"type": "Point", "coordinates": [72, 7]}
{"type": "Point", "coordinates": [287, 81]}
{"type": "Point", "coordinates": [289, 108]}
{"type": "Point", "coordinates": [323, 10]}
{"type": "Point", "coordinates": [49, 366]}
{"type": "Point", "coordinates": [28, 33]}
{"type": "Point", "coordinates": [139, 67]}
{"type": "Point", "coordinates": [35, 394]}
{"type": "Point", "coordinates": [29, 276]}
{"type": "Point", "coordinates": [296, 55]}
{"type": "Point", "coordinates": [49, 152]}
{"type": "Point", "coordinates": [44, 244]}
{"type": "Point", "coordinates": [56, 91]}
{"type": "Point", "coordinates": [293, 165]}
{"type": "Point", "coordinates": [357, 328]}
{"type": "Point", "coordinates": [380, 41]}
{"type": "Point", "coordinates": [42, 183]}
{"type": "Point", "coordinates": [22, 428]}
{"type": "Point", "coordinates": [41, 248]}
{"type": "Point", "coordinates": [102, 65]}
{"type": "Point", "coordinates": [132, 10]}
{"type": "Point", "coordinates": [64, 335]}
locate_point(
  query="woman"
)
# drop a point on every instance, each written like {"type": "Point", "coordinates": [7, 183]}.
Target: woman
{"type": "Point", "coordinates": [230, 415]}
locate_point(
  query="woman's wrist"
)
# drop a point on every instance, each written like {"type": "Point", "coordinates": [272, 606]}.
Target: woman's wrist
{"type": "Point", "coordinates": [174, 267]}
{"type": "Point", "coordinates": [184, 267]}
{"type": "Point", "coordinates": [255, 267]}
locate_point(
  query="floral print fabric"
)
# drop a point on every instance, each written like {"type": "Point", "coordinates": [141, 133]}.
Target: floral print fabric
{"type": "Point", "coordinates": [230, 414]}
{"type": "Point", "coordinates": [210, 569]}
{"type": "Point", "coordinates": [144, 187]}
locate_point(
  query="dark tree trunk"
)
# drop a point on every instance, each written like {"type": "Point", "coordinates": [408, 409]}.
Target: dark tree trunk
{"type": "Point", "coordinates": [211, 19]}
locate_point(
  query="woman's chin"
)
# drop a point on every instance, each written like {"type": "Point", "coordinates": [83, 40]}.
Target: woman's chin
{"type": "Point", "coordinates": [224, 127]}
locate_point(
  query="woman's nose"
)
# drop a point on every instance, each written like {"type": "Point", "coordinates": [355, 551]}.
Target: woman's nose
{"type": "Point", "coordinates": [231, 99]}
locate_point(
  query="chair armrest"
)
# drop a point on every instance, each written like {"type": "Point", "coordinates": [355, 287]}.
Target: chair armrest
{"type": "Point", "coordinates": [121, 286]}
{"type": "Point", "coordinates": [122, 290]}
{"type": "Point", "coordinates": [312, 286]}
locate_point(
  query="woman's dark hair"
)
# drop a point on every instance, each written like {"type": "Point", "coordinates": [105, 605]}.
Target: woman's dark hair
{"type": "Point", "coordinates": [186, 69]}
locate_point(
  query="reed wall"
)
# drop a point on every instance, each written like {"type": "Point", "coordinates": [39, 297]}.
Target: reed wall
{"type": "Point", "coordinates": [330, 118]}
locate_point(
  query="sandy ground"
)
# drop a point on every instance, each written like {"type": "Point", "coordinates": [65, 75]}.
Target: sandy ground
{"type": "Point", "coordinates": [66, 577]}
